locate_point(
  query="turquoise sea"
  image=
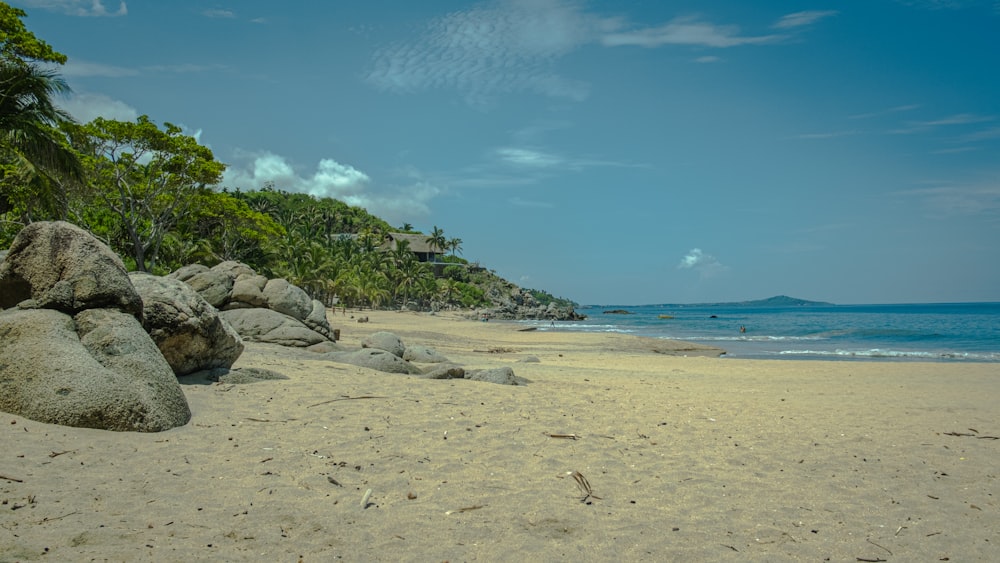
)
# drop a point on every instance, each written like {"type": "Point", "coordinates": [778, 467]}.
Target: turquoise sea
{"type": "Point", "coordinates": [948, 332]}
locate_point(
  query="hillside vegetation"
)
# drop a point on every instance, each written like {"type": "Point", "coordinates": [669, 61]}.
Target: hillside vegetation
{"type": "Point", "coordinates": [155, 196]}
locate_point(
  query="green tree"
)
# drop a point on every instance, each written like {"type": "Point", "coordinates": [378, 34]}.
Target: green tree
{"type": "Point", "coordinates": [146, 176]}
{"type": "Point", "coordinates": [437, 240]}
{"type": "Point", "coordinates": [455, 245]}
{"type": "Point", "coordinates": [35, 163]}
{"type": "Point", "coordinates": [19, 45]}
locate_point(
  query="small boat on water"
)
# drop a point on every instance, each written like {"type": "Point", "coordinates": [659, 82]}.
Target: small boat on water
{"type": "Point", "coordinates": [666, 316]}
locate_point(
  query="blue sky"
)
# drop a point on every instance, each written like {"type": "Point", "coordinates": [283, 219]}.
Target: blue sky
{"type": "Point", "coordinates": [623, 152]}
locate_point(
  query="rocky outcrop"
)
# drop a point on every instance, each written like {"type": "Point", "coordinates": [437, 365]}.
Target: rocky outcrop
{"type": "Point", "coordinates": [513, 303]}
{"type": "Point", "coordinates": [386, 352]}
{"type": "Point", "coordinates": [188, 330]}
{"type": "Point", "coordinates": [232, 286]}
{"type": "Point", "coordinates": [74, 351]}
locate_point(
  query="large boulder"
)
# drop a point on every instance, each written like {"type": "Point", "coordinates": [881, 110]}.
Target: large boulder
{"type": "Point", "coordinates": [99, 369]}
{"type": "Point", "coordinates": [378, 360]}
{"type": "Point", "coordinates": [265, 325]}
{"type": "Point", "coordinates": [61, 266]}
{"type": "Point", "coordinates": [213, 285]}
{"type": "Point", "coordinates": [286, 298]}
{"type": "Point", "coordinates": [188, 331]}
{"type": "Point", "coordinates": [385, 341]}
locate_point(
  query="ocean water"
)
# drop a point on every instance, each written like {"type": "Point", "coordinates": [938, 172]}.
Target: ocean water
{"type": "Point", "coordinates": [948, 332]}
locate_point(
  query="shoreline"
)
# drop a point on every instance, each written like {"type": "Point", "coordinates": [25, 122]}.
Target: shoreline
{"type": "Point", "coordinates": [686, 457]}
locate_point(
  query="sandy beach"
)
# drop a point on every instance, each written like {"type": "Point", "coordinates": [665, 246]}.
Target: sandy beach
{"type": "Point", "coordinates": [616, 448]}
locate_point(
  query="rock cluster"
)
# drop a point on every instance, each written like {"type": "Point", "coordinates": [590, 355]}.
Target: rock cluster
{"type": "Point", "coordinates": [259, 309]}
{"type": "Point", "coordinates": [514, 303]}
{"type": "Point", "coordinates": [386, 352]}
{"type": "Point", "coordinates": [73, 350]}
{"type": "Point", "coordinates": [84, 343]}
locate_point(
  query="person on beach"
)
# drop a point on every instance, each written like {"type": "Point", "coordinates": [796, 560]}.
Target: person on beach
{"type": "Point", "coordinates": [743, 329]}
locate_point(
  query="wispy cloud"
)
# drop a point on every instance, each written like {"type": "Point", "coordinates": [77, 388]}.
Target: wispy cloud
{"type": "Point", "coordinates": [800, 19]}
{"type": "Point", "coordinates": [493, 48]}
{"type": "Point", "coordinates": [219, 13]}
{"type": "Point", "coordinates": [528, 157]}
{"type": "Point", "coordinates": [85, 8]}
{"type": "Point", "coordinates": [688, 30]}
{"type": "Point", "coordinates": [705, 264]}
{"type": "Point", "coordinates": [77, 67]}
{"type": "Point", "coordinates": [81, 68]}
{"type": "Point", "coordinates": [509, 46]}
{"type": "Point", "coordinates": [952, 120]}
{"type": "Point", "coordinates": [826, 135]}
{"type": "Point", "coordinates": [892, 110]}
{"type": "Point", "coordinates": [982, 198]}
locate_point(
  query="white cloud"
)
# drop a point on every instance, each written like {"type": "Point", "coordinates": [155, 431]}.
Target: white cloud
{"type": "Point", "coordinates": [705, 264]}
{"type": "Point", "coordinates": [87, 107]}
{"type": "Point", "coordinates": [333, 180]}
{"type": "Point", "coordinates": [528, 157]}
{"type": "Point", "coordinates": [688, 30]}
{"type": "Point", "coordinates": [76, 67]}
{"type": "Point", "coordinates": [799, 19]}
{"type": "Point", "coordinates": [77, 7]}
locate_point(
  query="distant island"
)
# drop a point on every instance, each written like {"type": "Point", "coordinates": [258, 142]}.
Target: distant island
{"type": "Point", "coordinates": [776, 301]}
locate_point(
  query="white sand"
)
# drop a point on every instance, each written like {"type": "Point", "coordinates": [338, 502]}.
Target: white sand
{"type": "Point", "coordinates": [688, 458]}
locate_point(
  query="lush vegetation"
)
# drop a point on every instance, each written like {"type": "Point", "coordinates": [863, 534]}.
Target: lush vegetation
{"type": "Point", "coordinates": [152, 194]}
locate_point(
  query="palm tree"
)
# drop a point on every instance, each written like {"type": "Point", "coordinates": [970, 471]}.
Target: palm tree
{"type": "Point", "coordinates": [455, 245]}
{"type": "Point", "coordinates": [437, 240]}
{"type": "Point", "coordinates": [29, 134]}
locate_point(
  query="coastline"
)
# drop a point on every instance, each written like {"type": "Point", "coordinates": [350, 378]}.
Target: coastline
{"type": "Point", "coordinates": [692, 456]}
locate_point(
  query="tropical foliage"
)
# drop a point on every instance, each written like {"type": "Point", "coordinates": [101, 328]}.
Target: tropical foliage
{"type": "Point", "coordinates": [152, 194]}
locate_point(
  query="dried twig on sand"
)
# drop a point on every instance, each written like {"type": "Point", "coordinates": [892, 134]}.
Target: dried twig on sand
{"type": "Point", "coordinates": [584, 486]}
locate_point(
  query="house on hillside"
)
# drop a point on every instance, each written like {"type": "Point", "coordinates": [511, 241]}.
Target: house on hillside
{"type": "Point", "coordinates": [418, 245]}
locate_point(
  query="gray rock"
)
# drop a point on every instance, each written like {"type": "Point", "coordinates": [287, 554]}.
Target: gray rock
{"type": "Point", "coordinates": [503, 375]}
{"type": "Point", "coordinates": [423, 355]}
{"type": "Point", "coordinates": [265, 325]}
{"type": "Point", "coordinates": [445, 371]}
{"type": "Point", "coordinates": [286, 298]}
{"type": "Point", "coordinates": [386, 341]}
{"type": "Point", "coordinates": [187, 272]}
{"type": "Point", "coordinates": [249, 289]}
{"type": "Point", "coordinates": [188, 331]}
{"type": "Point", "coordinates": [234, 269]}
{"type": "Point", "coordinates": [375, 359]}
{"type": "Point", "coordinates": [213, 285]}
{"type": "Point", "coordinates": [316, 319]}
{"type": "Point", "coordinates": [60, 266]}
{"type": "Point", "coordinates": [239, 375]}
{"type": "Point", "coordinates": [109, 375]}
